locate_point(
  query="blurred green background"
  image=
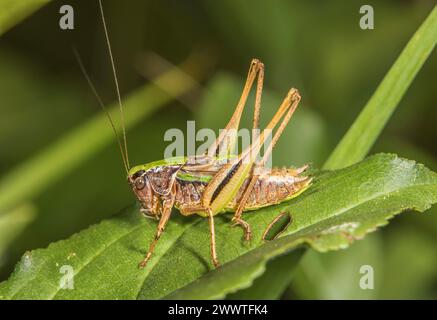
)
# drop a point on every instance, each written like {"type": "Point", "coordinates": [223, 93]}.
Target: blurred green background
{"type": "Point", "coordinates": [314, 46]}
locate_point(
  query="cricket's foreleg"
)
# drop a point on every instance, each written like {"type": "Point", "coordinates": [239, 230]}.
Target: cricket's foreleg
{"type": "Point", "coordinates": [167, 206]}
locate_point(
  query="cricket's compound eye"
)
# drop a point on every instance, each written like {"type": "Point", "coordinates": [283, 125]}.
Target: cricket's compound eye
{"type": "Point", "coordinates": [140, 183]}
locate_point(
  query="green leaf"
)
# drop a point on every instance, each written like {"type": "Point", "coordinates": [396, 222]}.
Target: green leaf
{"type": "Point", "coordinates": [78, 145]}
{"type": "Point", "coordinates": [357, 142]}
{"type": "Point", "coordinates": [13, 12]}
{"type": "Point", "coordinates": [341, 206]}
{"type": "Point", "coordinates": [274, 281]}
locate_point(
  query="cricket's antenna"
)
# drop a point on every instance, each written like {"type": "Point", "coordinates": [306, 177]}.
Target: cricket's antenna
{"type": "Point", "coordinates": [116, 84]}
{"type": "Point", "coordinates": [102, 105]}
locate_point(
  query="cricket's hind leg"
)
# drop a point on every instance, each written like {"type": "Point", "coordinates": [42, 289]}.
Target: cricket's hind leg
{"type": "Point", "coordinates": [290, 103]}
{"type": "Point", "coordinates": [236, 219]}
{"type": "Point", "coordinates": [227, 138]}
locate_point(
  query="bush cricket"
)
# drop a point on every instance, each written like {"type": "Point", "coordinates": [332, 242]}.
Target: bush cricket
{"type": "Point", "coordinates": [211, 184]}
{"type": "Point", "coordinates": [206, 185]}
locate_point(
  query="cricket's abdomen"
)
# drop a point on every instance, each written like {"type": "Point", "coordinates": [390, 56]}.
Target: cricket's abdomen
{"type": "Point", "coordinates": [277, 186]}
{"type": "Point", "coordinates": [271, 188]}
{"type": "Point", "coordinates": [188, 193]}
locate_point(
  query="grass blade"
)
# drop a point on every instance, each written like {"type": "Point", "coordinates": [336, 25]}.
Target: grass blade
{"type": "Point", "coordinates": [361, 136]}
{"type": "Point", "coordinates": [13, 12]}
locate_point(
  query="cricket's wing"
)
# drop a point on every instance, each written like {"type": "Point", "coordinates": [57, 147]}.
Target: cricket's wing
{"type": "Point", "coordinates": [200, 169]}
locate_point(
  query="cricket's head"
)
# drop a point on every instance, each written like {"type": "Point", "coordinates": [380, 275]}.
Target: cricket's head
{"type": "Point", "coordinates": [142, 188]}
{"type": "Point", "coordinates": [152, 183]}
